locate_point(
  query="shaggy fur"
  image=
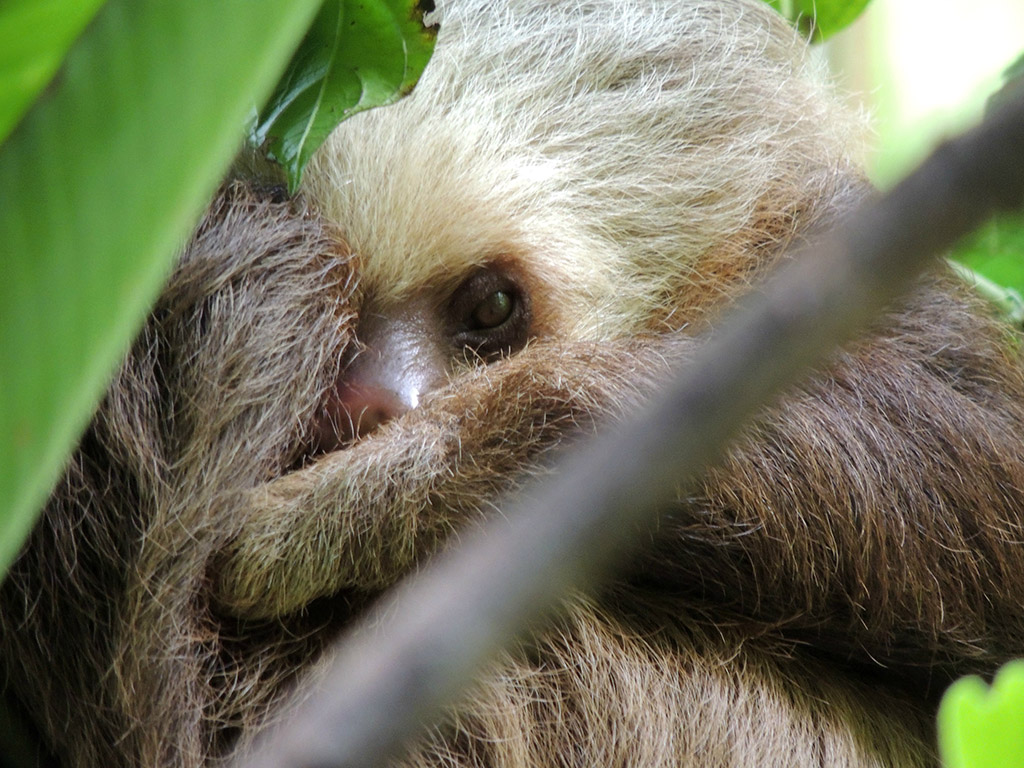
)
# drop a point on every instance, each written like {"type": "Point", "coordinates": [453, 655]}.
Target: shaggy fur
{"type": "Point", "coordinates": [637, 162]}
{"type": "Point", "coordinates": [553, 132]}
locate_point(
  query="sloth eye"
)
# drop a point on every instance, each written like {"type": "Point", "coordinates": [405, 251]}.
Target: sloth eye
{"type": "Point", "coordinates": [489, 314]}
{"type": "Point", "coordinates": [492, 311]}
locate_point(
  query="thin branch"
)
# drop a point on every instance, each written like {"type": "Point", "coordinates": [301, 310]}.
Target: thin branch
{"type": "Point", "coordinates": [411, 658]}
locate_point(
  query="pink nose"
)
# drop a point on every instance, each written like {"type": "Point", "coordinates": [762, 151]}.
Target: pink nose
{"type": "Point", "coordinates": [354, 410]}
{"type": "Point", "coordinates": [365, 407]}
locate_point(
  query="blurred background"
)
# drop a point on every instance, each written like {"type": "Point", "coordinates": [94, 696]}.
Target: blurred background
{"type": "Point", "coordinates": [924, 68]}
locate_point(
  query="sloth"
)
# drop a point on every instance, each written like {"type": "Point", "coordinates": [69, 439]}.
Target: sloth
{"type": "Point", "coordinates": [332, 386]}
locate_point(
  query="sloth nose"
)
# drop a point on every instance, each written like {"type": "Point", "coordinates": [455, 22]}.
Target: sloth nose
{"type": "Point", "coordinates": [364, 407]}
{"type": "Point", "coordinates": [351, 411]}
{"type": "Point", "coordinates": [400, 358]}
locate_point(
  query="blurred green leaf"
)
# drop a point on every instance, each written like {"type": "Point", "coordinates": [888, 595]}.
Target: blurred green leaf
{"type": "Point", "coordinates": [982, 726]}
{"type": "Point", "coordinates": [34, 37]}
{"type": "Point", "coordinates": [358, 54]}
{"type": "Point", "coordinates": [100, 184]}
{"type": "Point", "coordinates": [819, 19]}
{"type": "Point", "coordinates": [996, 251]}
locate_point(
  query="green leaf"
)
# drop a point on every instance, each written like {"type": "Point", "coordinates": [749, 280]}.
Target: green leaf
{"type": "Point", "coordinates": [983, 727]}
{"type": "Point", "coordinates": [996, 251]}
{"type": "Point", "coordinates": [358, 54]}
{"type": "Point", "coordinates": [34, 37]}
{"type": "Point", "coordinates": [819, 19]}
{"type": "Point", "coordinates": [100, 184]}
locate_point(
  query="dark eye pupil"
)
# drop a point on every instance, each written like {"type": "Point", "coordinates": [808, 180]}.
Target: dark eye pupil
{"type": "Point", "coordinates": [492, 311]}
{"type": "Point", "coordinates": [488, 316]}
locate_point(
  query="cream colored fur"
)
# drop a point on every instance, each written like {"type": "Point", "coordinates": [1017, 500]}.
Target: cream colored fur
{"type": "Point", "coordinates": [612, 144]}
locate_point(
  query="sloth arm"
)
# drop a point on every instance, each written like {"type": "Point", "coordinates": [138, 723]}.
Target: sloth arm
{"type": "Point", "coordinates": [876, 511]}
{"type": "Point", "coordinates": [361, 517]}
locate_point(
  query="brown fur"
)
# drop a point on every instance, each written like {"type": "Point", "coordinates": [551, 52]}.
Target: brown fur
{"type": "Point", "coordinates": [803, 606]}
{"type": "Point", "coordinates": [856, 550]}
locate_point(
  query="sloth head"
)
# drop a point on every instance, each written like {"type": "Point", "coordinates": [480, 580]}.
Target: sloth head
{"type": "Point", "coordinates": [579, 181]}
